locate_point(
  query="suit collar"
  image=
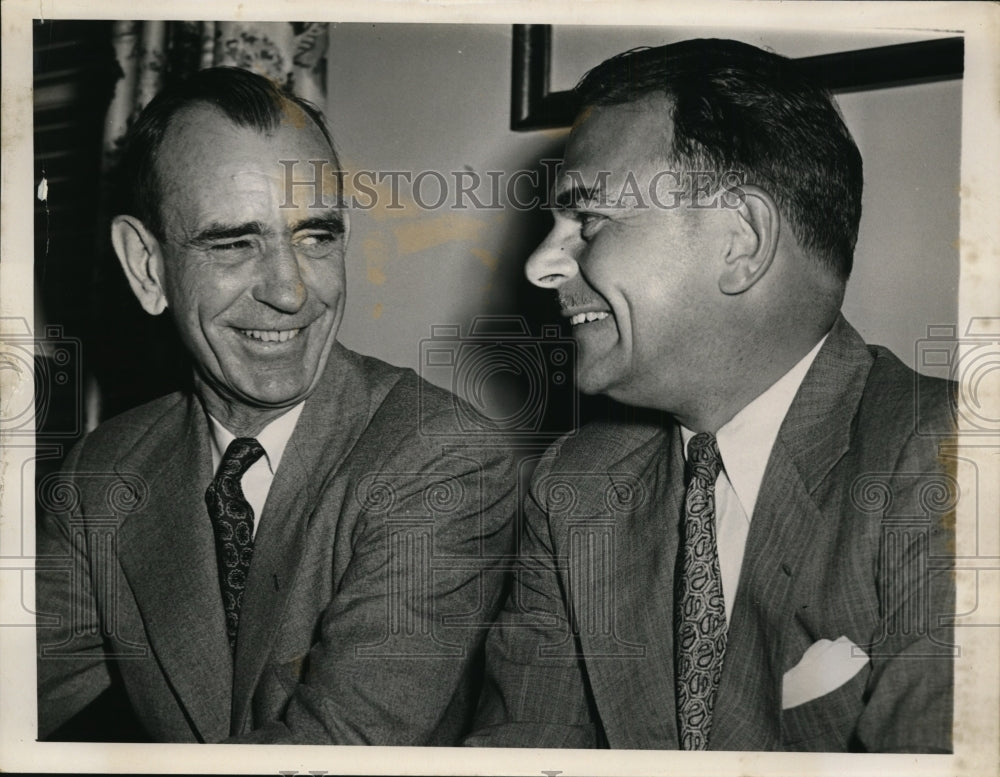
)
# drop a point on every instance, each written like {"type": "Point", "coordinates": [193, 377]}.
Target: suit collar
{"type": "Point", "coordinates": [817, 430]}
{"type": "Point", "coordinates": [746, 440]}
{"type": "Point", "coordinates": [166, 548]}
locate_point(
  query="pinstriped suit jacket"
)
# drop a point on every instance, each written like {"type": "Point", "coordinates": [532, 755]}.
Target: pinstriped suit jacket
{"type": "Point", "coordinates": [372, 585]}
{"type": "Point", "coordinates": [851, 536]}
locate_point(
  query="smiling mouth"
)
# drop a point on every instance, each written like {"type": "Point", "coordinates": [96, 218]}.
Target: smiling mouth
{"type": "Point", "coordinates": [581, 318]}
{"type": "Point", "coordinates": [270, 335]}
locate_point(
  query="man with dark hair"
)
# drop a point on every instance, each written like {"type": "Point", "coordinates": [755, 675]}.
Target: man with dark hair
{"type": "Point", "coordinates": [304, 549]}
{"type": "Point", "coordinates": [746, 558]}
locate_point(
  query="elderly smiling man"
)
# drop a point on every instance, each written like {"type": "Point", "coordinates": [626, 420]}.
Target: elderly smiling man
{"type": "Point", "coordinates": [303, 549]}
{"type": "Point", "coordinates": [747, 559]}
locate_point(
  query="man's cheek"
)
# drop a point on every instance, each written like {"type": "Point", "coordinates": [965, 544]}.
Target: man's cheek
{"type": "Point", "coordinates": [328, 283]}
{"type": "Point", "coordinates": [216, 287]}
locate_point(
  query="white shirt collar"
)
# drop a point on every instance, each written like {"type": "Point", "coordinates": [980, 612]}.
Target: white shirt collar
{"type": "Point", "coordinates": [746, 440]}
{"type": "Point", "coordinates": [273, 438]}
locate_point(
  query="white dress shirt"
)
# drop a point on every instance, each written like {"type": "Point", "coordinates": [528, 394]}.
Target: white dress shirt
{"type": "Point", "coordinates": [273, 438]}
{"type": "Point", "coordinates": [745, 443]}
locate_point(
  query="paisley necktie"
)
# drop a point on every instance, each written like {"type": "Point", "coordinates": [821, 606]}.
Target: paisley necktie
{"type": "Point", "coordinates": [700, 616]}
{"type": "Point", "coordinates": [232, 519]}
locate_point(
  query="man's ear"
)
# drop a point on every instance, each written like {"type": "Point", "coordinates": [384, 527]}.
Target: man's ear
{"type": "Point", "coordinates": [142, 260]}
{"type": "Point", "coordinates": [757, 226]}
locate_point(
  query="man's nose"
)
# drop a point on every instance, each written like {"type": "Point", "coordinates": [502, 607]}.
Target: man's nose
{"type": "Point", "coordinates": [281, 284]}
{"type": "Point", "coordinates": [555, 261]}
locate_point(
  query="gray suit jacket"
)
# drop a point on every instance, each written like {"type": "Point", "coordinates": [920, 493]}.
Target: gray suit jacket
{"type": "Point", "coordinates": [851, 536]}
{"type": "Point", "coordinates": [375, 572]}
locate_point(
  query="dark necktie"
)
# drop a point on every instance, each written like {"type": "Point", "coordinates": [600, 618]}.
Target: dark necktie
{"type": "Point", "coordinates": [700, 617]}
{"type": "Point", "coordinates": [232, 519]}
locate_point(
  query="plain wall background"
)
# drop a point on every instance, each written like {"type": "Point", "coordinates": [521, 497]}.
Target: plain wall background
{"type": "Point", "coordinates": [437, 98]}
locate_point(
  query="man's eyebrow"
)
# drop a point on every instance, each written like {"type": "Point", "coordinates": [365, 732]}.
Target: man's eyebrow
{"type": "Point", "coordinates": [218, 231]}
{"type": "Point", "coordinates": [332, 223]}
{"type": "Point", "coordinates": [576, 196]}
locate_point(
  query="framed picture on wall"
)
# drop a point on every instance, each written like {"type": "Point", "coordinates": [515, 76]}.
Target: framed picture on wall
{"type": "Point", "coordinates": [535, 104]}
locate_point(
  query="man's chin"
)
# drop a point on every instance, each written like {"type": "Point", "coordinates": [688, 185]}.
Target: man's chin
{"type": "Point", "coordinates": [275, 397]}
{"type": "Point", "coordinates": [617, 385]}
{"type": "Point", "coordinates": [592, 383]}
{"type": "Point", "coordinates": [278, 380]}
{"type": "Point", "coordinates": [256, 395]}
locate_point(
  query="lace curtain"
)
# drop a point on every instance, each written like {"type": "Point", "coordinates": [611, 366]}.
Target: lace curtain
{"type": "Point", "coordinates": [151, 53]}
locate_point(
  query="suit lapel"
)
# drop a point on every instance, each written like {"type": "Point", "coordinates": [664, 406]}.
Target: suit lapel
{"type": "Point", "coordinates": [817, 430]}
{"type": "Point", "coordinates": [278, 548]}
{"type": "Point", "coordinates": [748, 707]}
{"type": "Point", "coordinates": [634, 691]}
{"type": "Point", "coordinates": [167, 553]}
{"type": "Point", "coordinates": [333, 418]}
{"type": "Point", "coordinates": [813, 437]}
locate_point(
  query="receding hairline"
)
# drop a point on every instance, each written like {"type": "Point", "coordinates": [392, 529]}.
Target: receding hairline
{"type": "Point", "coordinates": [213, 113]}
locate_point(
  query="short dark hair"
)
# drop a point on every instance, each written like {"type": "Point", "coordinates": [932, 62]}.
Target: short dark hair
{"type": "Point", "coordinates": [247, 99]}
{"type": "Point", "coordinates": [738, 108]}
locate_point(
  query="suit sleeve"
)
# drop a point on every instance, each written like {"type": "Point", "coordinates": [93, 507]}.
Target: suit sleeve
{"type": "Point", "coordinates": [398, 660]}
{"type": "Point", "coordinates": [536, 692]}
{"type": "Point", "coordinates": [72, 668]}
{"type": "Point", "coordinates": [910, 691]}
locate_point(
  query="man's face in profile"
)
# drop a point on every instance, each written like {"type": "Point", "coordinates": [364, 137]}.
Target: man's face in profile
{"type": "Point", "coordinates": [633, 273]}
{"type": "Point", "coordinates": [256, 290]}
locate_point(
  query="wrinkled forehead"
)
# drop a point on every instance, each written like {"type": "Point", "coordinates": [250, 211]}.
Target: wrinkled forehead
{"type": "Point", "coordinates": [618, 139]}
{"type": "Point", "coordinates": [208, 161]}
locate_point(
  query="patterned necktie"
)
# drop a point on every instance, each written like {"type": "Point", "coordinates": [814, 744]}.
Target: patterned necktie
{"type": "Point", "coordinates": [700, 617]}
{"type": "Point", "coordinates": [232, 519]}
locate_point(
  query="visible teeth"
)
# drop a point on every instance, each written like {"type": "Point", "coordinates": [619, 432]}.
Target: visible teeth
{"type": "Point", "coordinates": [271, 335]}
{"type": "Point", "coordinates": [593, 315]}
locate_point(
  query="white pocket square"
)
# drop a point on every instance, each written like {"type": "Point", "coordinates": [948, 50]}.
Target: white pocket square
{"type": "Point", "coordinates": [824, 667]}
